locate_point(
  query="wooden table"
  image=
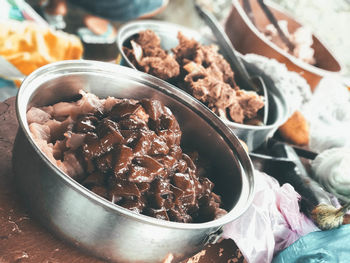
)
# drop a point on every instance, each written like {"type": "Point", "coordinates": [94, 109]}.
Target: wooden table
{"type": "Point", "coordinates": [24, 240]}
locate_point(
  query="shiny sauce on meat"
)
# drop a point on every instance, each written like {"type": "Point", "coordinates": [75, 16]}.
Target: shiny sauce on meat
{"type": "Point", "coordinates": [131, 155]}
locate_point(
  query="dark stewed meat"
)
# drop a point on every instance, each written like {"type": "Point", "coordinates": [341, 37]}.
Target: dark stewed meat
{"type": "Point", "coordinates": [129, 152]}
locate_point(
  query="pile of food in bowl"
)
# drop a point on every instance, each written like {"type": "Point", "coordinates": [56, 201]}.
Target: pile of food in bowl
{"type": "Point", "coordinates": [199, 70]}
{"type": "Point", "coordinates": [129, 152]}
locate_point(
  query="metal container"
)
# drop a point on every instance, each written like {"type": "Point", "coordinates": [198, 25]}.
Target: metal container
{"type": "Point", "coordinates": [95, 224]}
{"type": "Point", "coordinates": [254, 136]}
{"type": "Point", "coordinates": [247, 38]}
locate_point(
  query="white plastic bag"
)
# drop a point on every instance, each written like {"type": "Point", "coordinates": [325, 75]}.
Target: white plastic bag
{"type": "Point", "coordinates": [271, 223]}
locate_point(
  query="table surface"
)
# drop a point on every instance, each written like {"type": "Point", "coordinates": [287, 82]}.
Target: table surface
{"type": "Point", "coordinates": [23, 239]}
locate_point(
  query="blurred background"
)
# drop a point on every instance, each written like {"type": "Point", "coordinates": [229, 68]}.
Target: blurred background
{"type": "Point", "coordinates": [328, 19]}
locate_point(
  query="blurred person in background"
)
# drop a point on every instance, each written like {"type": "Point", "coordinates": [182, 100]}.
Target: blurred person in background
{"type": "Point", "coordinates": [99, 14]}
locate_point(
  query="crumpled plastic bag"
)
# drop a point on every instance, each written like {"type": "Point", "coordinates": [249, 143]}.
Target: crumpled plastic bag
{"type": "Point", "coordinates": [271, 223]}
{"type": "Point", "coordinates": [319, 247]}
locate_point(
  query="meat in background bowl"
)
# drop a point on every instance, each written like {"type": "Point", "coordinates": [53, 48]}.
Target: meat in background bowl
{"type": "Point", "coordinates": [253, 135]}
{"type": "Point", "coordinates": [247, 38]}
{"type": "Point", "coordinates": [95, 224]}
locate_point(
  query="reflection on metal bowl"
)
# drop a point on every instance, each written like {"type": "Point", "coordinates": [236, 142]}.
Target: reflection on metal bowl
{"type": "Point", "coordinates": [95, 224]}
{"type": "Point", "coordinates": [254, 136]}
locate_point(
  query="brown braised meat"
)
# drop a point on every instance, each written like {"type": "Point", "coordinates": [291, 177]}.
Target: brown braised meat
{"type": "Point", "coordinates": [204, 73]}
{"type": "Point", "coordinates": [210, 79]}
{"type": "Point", "coordinates": [148, 56]}
{"type": "Point", "coordinates": [130, 154]}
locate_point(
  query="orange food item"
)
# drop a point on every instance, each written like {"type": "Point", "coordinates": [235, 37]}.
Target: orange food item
{"type": "Point", "coordinates": [28, 46]}
{"type": "Point", "coordinates": [296, 129]}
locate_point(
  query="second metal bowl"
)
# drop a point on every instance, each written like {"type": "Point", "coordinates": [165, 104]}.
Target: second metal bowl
{"type": "Point", "coordinates": [254, 136]}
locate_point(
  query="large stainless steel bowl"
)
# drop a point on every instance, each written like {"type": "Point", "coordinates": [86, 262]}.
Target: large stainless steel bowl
{"type": "Point", "coordinates": [93, 223]}
{"type": "Point", "coordinates": [254, 136]}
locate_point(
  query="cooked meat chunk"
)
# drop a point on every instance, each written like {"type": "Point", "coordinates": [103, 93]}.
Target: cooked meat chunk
{"type": "Point", "coordinates": [148, 56]}
{"type": "Point", "coordinates": [89, 103]}
{"type": "Point", "coordinates": [186, 49]}
{"type": "Point", "coordinates": [250, 102]}
{"type": "Point", "coordinates": [163, 68]}
{"type": "Point", "coordinates": [37, 115]}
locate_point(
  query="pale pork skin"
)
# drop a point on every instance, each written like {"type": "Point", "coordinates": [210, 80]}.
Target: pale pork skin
{"type": "Point", "coordinates": [128, 152]}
